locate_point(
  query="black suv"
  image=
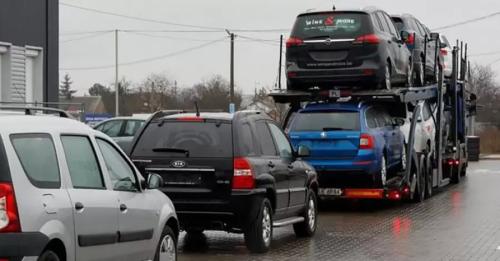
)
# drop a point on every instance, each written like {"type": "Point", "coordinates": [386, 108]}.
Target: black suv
{"type": "Point", "coordinates": [346, 48]}
{"type": "Point", "coordinates": [231, 172]}
{"type": "Point", "coordinates": [422, 44]}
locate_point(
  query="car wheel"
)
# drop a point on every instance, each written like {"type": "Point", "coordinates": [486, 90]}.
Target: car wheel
{"type": "Point", "coordinates": [428, 185]}
{"type": "Point", "coordinates": [420, 77]}
{"type": "Point", "coordinates": [381, 176]}
{"type": "Point", "coordinates": [167, 247]}
{"type": "Point", "coordinates": [259, 233]}
{"type": "Point", "coordinates": [409, 75]}
{"type": "Point", "coordinates": [455, 175]}
{"type": "Point", "coordinates": [308, 227]}
{"type": "Point", "coordinates": [463, 172]}
{"type": "Point", "coordinates": [49, 255]}
{"type": "Point", "coordinates": [419, 193]}
{"type": "Point", "coordinates": [387, 81]}
{"type": "Point", "coordinates": [403, 159]}
{"type": "Point", "coordinates": [291, 86]}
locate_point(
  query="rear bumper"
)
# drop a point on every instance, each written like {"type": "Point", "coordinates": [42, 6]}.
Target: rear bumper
{"type": "Point", "coordinates": [234, 213]}
{"type": "Point", "coordinates": [18, 245]}
{"type": "Point", "coordinates": [369, 73]}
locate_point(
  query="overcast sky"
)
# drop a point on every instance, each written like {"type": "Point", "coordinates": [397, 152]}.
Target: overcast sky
{"type": "Point", "coordinates": [256, 62]}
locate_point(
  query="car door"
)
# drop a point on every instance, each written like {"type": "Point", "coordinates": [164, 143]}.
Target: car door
{"type": "Point", "coordinates": [275, 166]}
{"type": "Point", "coordinates": [297, 178]}
{"type": "Point", "coordinates": [95, 206]}
{"type": "Point", "coordinates": [112, 128]}
{"type": "Point", "coordinates": [393, 137]}
{"type": "Point", "coordinates": [138, 211]}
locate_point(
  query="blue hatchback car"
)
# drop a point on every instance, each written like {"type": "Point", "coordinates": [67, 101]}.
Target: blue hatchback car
{"type": "Point", "coordinates": [352, 145]}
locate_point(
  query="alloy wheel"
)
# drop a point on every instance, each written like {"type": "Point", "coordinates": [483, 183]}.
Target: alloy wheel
{"type": "Point", "coordinates": [383, 172]}
{"type": "Point", "coordinates": [167, 249]}
{"type": "Point", "coordinates": [266, 226]}
{"type": "Point", "coordinates": [311, 213]}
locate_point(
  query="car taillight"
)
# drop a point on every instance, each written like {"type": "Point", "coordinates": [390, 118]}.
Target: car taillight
{"type": "Point", "coordinates": [243, 175]}
{"type": "Point", "coordinates": [444, 52]}
{"type": "Point", "coordinates": [367, 39]}
{"type": "Point", "coordinates": [9, 218]}
{"type": "Point", "coordinates": [294, 41]}
{"type": "Point", "coordinates": [366, 142]}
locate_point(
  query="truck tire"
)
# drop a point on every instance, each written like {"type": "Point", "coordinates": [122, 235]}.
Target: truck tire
{"type": "Point", "coordinates": [429, 175]}
{"type": "Point", "coordinates": [49, 255]}
{"type": "Point", "coordinates": [380, 177]}
{"type": "Point", "coordinates": [463, 172]}
{"type": "Point", "coordinates": [455, 175]}
{"type": "Point", "coordinates": [308, 227]}
{"type": "Point", "coordinates": [259, 233]}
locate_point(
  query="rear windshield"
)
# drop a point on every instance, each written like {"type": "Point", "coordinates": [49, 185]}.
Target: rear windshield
{"type": "Point", "coordinates": [333, 25]}
{"type": "Point", "coordinates": [4, 164]}
{"type": "Point", "coordinates": [209, 139]}
{"type": "Point", "coordinates": [326, 121]}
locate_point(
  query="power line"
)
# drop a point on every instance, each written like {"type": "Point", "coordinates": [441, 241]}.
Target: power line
{"type": "Point", "coordinates": [169, 37]}
{"type": "Point", "coordinates": [211, 28]}
{"type": "Point", "coordinates": [84, 37]}
{"type": "Point", "coordinates": [467, 21]}
{"type": "Point", "coordinates": [485, 54]}
{"type": "Point", "coordinates": [140, 18]}
{"type": "Point", "coordinates": [144, 60]}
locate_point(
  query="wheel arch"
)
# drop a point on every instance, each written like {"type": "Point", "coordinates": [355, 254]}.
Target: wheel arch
{"type": "Point", "coordinates": [57, 246]}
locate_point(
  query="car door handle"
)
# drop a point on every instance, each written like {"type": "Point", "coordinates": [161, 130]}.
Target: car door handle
{"type": "Point", "coordinates": [79, 206]}
{"type": "Point", "coordinates": [271, 164]}
{"type": "Point", "coordinates": [123, 207]}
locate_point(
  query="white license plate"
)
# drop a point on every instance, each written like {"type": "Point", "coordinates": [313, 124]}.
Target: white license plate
{"type": "Point", "coordinates": [330, 192]}
{"type": "Point", "coordinates": [334, 94]}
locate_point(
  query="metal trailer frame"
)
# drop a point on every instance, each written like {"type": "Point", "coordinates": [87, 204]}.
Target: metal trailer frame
{"type": "Point", "coordinates": [449, 98]}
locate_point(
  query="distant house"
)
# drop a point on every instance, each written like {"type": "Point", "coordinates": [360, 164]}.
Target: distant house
{"type": "Point", "coordinates": [29, 47]}
{"type": "Point", "coordinates": [84, 106]}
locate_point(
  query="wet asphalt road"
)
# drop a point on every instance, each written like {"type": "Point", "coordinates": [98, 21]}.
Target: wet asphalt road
{"type": "Point", "coordinates": [461, 222]}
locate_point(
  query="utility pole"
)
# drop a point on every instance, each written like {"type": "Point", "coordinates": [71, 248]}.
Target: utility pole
{"type": "Point", "coordinates": [231, 92]}
{"type": "Point", "coordinates": [117, 87]}
{"type": "Point", "coordinates": [281, 62]}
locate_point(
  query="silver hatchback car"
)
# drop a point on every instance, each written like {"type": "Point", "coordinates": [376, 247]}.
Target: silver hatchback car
{"type": "Point", "coordinates": [67, 192]}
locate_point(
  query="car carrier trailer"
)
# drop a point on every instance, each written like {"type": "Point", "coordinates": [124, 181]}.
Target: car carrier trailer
{"type": "Point", "coordinates": [425, 172]}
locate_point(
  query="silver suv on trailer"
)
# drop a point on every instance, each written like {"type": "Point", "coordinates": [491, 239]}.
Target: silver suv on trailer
{"type": "Point", "coordinates": [67, 192]}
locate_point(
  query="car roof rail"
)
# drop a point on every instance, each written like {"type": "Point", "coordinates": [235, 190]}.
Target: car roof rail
{"type": "Point", "coordinates": [28, 110]}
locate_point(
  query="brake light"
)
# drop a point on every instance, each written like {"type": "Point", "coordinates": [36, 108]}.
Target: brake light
{"type": "Point", "coordinates": [243, 175]}
{"type": "Point", "coordinates": [444, 52]}
{"type": "Point", "coordinates": [190, 119]}
{"type": "Point", "coordinates": [294, 41]}
{"type": "Point", "coordinates": [367, 39]}
{"type": "Point", "coordinates": [366, 142]}
{"type": "Point", "coordinates": [9, 217]}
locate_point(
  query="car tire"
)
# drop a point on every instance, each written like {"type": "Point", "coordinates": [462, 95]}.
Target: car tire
{"type": "Point", "coordinates": [259, 233]}
{"type": "Point", "coordinates": [167, 246]}
{"type": "Point", "coordinates": [455, 175]}
{"type": "Point", "coordinates": [310, 224]}
{"type": "Point", "coordinates": [429, 190]}
{"type": "Point", "coordinates": [381, 176]}
{"type": "Point", "coordinates": [409, 75]}
{"type": "Point", "coordinates": [463, 172]}
{"type": "Point", "coordinates": [419, 74]}
{"type": "Point", "coordinates": [387, 80]}
{"type": "Point", "coordinates": [419, 193]}
{"type": "Point", "coordinates": [49, 255]}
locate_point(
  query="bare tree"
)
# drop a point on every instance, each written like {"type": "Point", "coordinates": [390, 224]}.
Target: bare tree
{"type": "Point", "coordinates": [483, 84]}
{"type": "Point", "coordinates": [155, 92]}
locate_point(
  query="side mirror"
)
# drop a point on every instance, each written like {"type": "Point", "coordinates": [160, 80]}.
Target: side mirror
{"type": "Point", "coordinates": [434, 36]}
{"type": "Point", "coordinates": [155, 181]}
{"type": "Point", "coordinates": [398, 122]}
{"type": "Point", "coordinates": [303, 151]}
{"type": "Point", "coordinates": [405, 36]}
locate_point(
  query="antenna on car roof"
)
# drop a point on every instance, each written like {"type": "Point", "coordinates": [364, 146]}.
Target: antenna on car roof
{"type": "Point", "coordinates": [334, 8]}
{"type": "Point", "coordinates": [197, 109]}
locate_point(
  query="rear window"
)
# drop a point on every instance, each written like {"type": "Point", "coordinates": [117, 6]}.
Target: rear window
{"type": "Point", "coordinates": [4, 164]}
{"type": "Point", "coordinates": [333, 25]}
{"type": "Point", "coordinates": [37, 155]}
{"type": "Point", "coordinates": [326, 121]}
{"type": "Point", "coordinates": [208, 139]}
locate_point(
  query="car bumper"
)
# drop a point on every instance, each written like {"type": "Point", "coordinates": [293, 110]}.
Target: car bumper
{"type": "Point", "coordinates": [18, 245]}
{"type": "Point", "coordinates": [369, 73]}
{"type": "Point", "coordinates": [241, 208]}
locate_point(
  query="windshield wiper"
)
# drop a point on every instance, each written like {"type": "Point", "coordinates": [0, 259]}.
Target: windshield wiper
{"type": "Point", "coordinates": [335, 129]}
{"type": "Point", "coordinates": [318, 37]}
{"type": "Point", "coordinates": [174, 150]}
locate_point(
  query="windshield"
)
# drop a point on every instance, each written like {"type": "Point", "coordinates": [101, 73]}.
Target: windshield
{"type": "Point", "coordinates": [333, 25]}
{"type": "Point", "coordinates": [211, 139]}
{"type": "Point", "coordinates": [326, 121]}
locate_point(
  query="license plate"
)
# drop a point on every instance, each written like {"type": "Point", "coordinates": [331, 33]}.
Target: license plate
{"type": "Point", "coordinates": [330, 192]}
{"type": "Point", "coordinates": [334, 94]}
{"type": "Point", "coordinates": [183, 180]}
